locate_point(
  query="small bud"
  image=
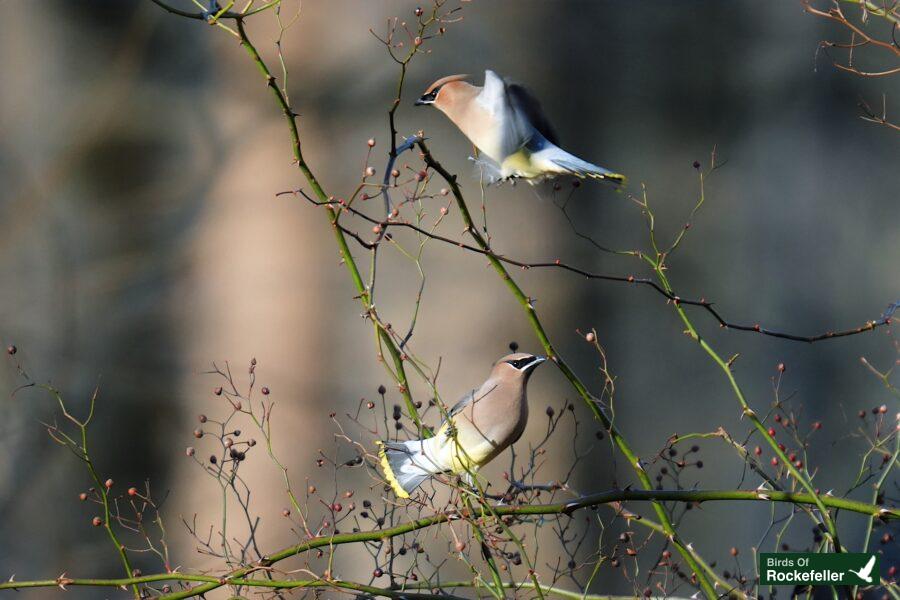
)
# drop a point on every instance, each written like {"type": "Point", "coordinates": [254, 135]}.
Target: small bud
{"type": "Point", "coordinates": [286, 512]}
{"type": "Point", "coordinates": [550, 412]}
{"type": "Point", "coordinates": [136, 572]}
{"type": "Point", "coordinates": [108, 483]}
{"type": "Point", "coordinates": [371, 142]}
{"type": "Point", "coordinates": [817, 425]}
{"type": "Point", "coordinates": [419, 11]}
{"type": "Point", "coordinates": [370, 405]}
{"type": "Point", "coordinates": [734, 551]}
{"type": "Point", "coordinates": [444, 210]}
{"type": "Point", "coordinates": [189, 451]}
{"type": "Point", "coordinates": [251, 442]}
{"type": "Point", "coordinates": [370, 171]}
{"type": "Point", "coordinates": [590, 337]}
{"type": "Point", "coordinates": [11, 349]}
{"type": "Point", "coordinates": [218, 391]}
{"type": "Point", "coordinates": [265, 391]}
{"type": "Point", "coordinates": [459, 546]}
{"type": "Point", "coordinates": [444, 191]}
{"type": "Point", "coordinates": [757, 451]}
{"type": "Point", "coordinates": [862, 414]}
{"type": "Point", "coordinates": [198, 433]}
{"type": "Point", "coordinates": [213, 459]}
{"type": "Point", "coordinates": [348, 494]}
{"type": "Point", "coordinates": [395, 173]}
{"type": "Point", "coordinates": [781, 367]}
{"type": "Point", "coordinates": [696, 164]}
{"type": "Point", "coordinates": [883, 409]}
{"type": "Point", "coordinates": [202, 418]}
{"type": "Point", "coordinates": [771, 432]}
{"type": "Point", "coordinates": [132, 491]}
{"type": "Point", "coordinates": [774, 462]}
{"type": "Point", "coordinates": [382, 390]}
{"type": "Point", "coordinates": [377, 573]}
{"type": "Point", "coordinates": [96, 521]}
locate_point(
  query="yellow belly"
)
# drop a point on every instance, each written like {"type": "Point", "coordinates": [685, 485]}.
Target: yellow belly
{"type": "Point", "coordinates": [520, 165]}
{"type": "Point", "coordinates": [464, 453]}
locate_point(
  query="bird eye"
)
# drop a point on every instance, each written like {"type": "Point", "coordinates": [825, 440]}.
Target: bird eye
{"type": "Point", "coordinates": [521, 362]}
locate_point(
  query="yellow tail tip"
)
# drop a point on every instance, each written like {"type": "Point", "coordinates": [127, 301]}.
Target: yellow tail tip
{"type": "Point", "coordinates": [388, 472]}
{"type": "Point", "coordinates": [615, 178]}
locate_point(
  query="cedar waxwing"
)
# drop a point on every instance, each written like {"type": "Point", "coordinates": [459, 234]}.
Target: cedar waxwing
{"type": "Point", "coordinates": [480, 426]}
{"type": "Point", "coordinates": [506, 123]}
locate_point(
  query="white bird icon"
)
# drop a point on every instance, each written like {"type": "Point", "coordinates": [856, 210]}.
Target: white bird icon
{"type": "Point", "coordinates": [866, 572]}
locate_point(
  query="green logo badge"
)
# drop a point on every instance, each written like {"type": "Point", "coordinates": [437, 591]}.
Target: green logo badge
{"type": "Point", "coordinates": [807, 568]}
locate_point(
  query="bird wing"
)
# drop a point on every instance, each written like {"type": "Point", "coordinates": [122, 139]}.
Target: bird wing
{"type": "Point", "coordinates": [462, 403]}
{"type": "Point", "coordinates": [529, 106]}
{"type": "Point", "coordinates": [517, 113]}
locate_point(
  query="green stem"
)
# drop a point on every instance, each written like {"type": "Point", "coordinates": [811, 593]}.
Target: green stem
{"type": "Point", "coordinates": [573, 379]}
{"type": "Point", "coordinates": [747, 411]}
{"type": "Point", "coordinates": [399, 372]}
{"type": "Point", "coordinates": [560, 508]}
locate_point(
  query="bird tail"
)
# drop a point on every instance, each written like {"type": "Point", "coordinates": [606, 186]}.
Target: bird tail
{"type": "Point", "coordinates": [572, 165]}
{"type": "Point", "coordinates": [402, 465]}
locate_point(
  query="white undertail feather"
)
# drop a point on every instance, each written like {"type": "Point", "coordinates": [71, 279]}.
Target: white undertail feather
{"type": "Point", "coordinates": [555, 159]}
{"type": "Point", "coordinates": [407, 464]}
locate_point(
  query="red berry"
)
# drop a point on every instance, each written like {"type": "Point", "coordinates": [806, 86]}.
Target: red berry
{"type": "Point", "coordinates": [757, 451]}
{"type": "Point", "coordinates": [774, 462]}
{"type": "Point", "coordinates": [132, 491]}
{"type": "Point", "coordinates": [772, 431]}
{"type": "Point", "coordinates": [108, 483]}
{"type": "Point", "coordinates": [97, 522]}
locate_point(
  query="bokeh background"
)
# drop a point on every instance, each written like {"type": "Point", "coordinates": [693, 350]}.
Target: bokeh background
{"type": "Point", "coordinates": [141, 239]}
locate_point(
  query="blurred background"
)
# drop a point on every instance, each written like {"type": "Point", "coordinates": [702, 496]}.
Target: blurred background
{"type": "Point", "coordinates": [141, 239]}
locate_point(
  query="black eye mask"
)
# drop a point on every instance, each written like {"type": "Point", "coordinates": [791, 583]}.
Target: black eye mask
{"type": "Point", "coordinates": [521, 362]}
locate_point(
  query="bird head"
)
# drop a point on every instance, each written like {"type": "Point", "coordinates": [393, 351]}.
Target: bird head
{"type": "Point", "coordinates": [520, 364]}
{"type": "Point", "coordinates": [433, 94]}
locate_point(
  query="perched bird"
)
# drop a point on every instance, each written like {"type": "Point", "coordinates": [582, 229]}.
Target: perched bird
{"type": "Point", "coordinates": [506, 123]}
{"type": "Point", "coordinates": [480, 426]}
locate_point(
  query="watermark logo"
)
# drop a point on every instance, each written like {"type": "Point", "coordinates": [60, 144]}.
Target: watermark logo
{"type": "Point", "coordinates": [806, 568]}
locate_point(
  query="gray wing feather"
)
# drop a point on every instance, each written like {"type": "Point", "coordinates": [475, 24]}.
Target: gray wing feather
{"type": "Point", "coordinates": [462, 403]}
{"type": "Point", "coordinates": [519, 113]}
{"type": "Point", "coordinates": [529, 106]}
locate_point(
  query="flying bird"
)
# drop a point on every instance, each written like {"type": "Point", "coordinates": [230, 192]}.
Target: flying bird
{"type": "Point", "coordinates": [507, 125]}
{"type": "Point", "coordinates": [866, 572]}
{"type": "Point", "coordinates": [480, 426]}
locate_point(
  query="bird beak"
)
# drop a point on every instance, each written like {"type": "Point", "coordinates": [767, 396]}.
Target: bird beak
{"type": "Point", "coordinates": [537, 361]}
{"type": "Point", "coordinates": [423, 102]}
